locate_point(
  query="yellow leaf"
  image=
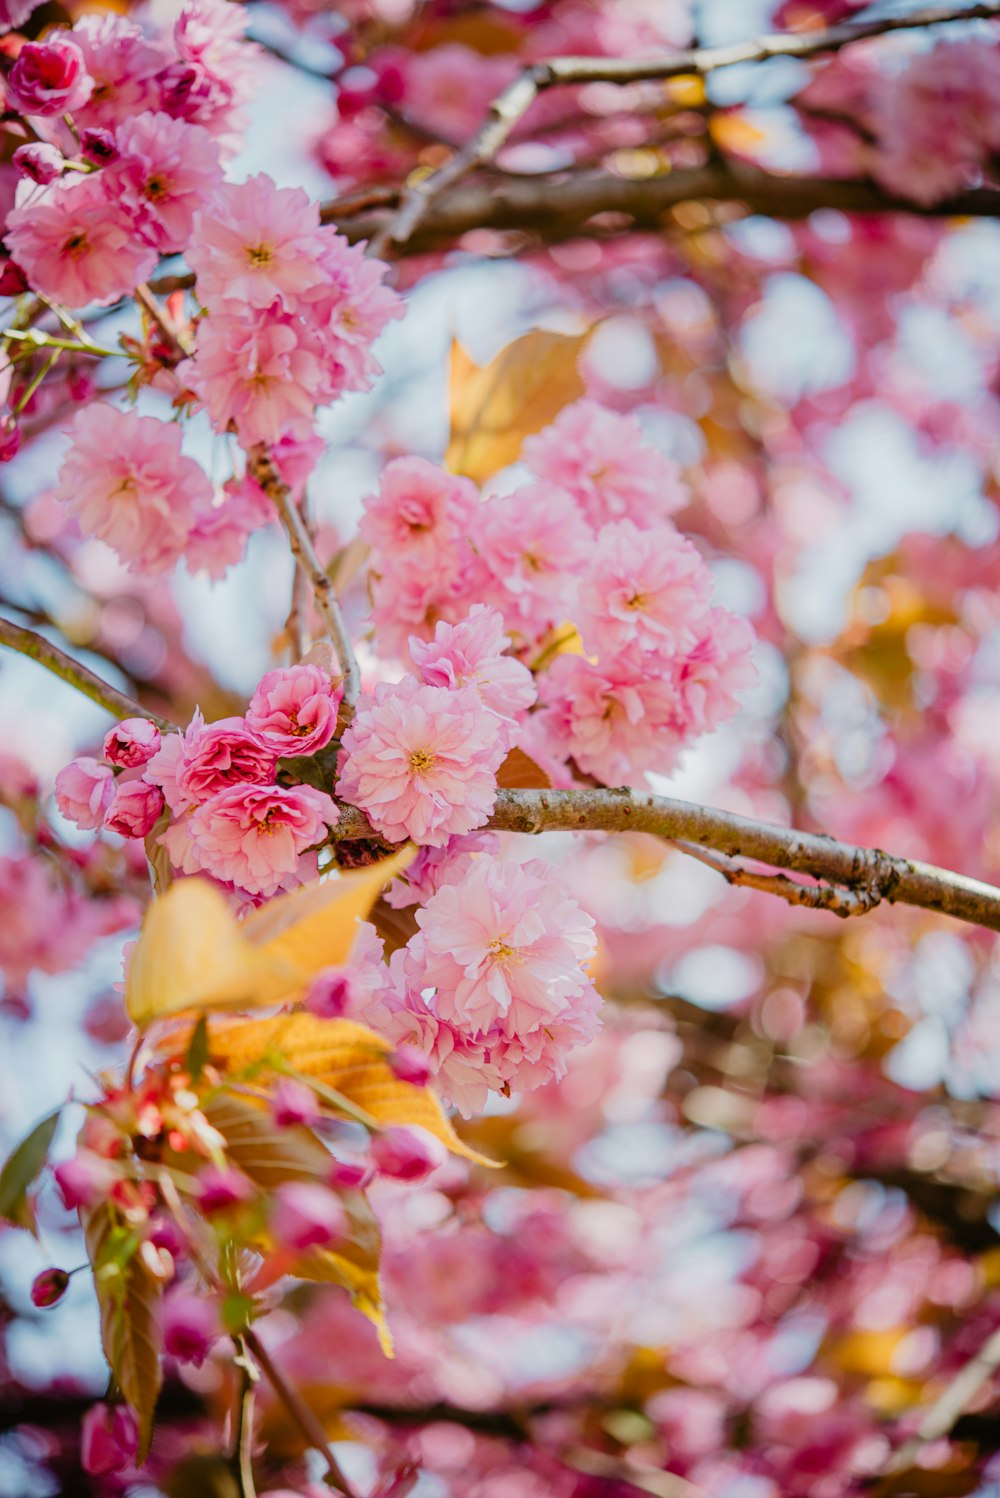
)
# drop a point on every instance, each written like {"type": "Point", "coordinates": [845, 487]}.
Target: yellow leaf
{"type": "Point", "coordinates": [734, 132]}
{"type": "Point", "coordinates": [354, 1264]}
{"type": "Point", "coordinates": [129, 1300]}
{"type": "Point", "coordinates": [338, 1054]}
{"type": "Point", "coordinates": [496, 405]}
{"type": "Point", "coordinates": [192, 953]}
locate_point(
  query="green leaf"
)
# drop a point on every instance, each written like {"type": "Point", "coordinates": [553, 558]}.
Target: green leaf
{"type": "Point", "coordinates": [22, 1169]}
{"type": "Point", "coordinates": [129, 1300]}
{"type": "Point", "coordinates": [197, 1051]}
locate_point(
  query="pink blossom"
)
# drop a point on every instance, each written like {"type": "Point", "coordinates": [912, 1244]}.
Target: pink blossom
{"type": "Point", "coordinates": [307, 1215]}
{"type": "Point", "coordinates": [472, 653]}
{"type": "Point", "coordinates": [84, 791]}
{"type": "Point", "coordinates": [411, 1065]}
{"type": "Point", "coordinates": [109, 1439]}
{"type": "Point", "coordinates": [295, 710]}
{"type": "Point", "coordinates": [216, 72]}
{"type": "Point", "coordinates": [330, 995]}
{"type": "Point", "coordinates": [601, 459]}
{"type": "Point", "coordinates": [506, 950]}
{"type": "Point", "coordinates": [125, 481]}
{"type": "Point", "coordinates": [407, 1153]}
{"type": "Point", "coordinates": [220, 1188]}
{"type": "Point", "coordinates": [534, 543]}
{"type": "Point", "coordinates": [190, 1326]}
{"type": "Point", "coordinates": [218, 755]}
{"type": "Point", "coordinates": [39, 162]}
{"type": "Point", "coordinates": [256, 243]}
{"type": "Point", "coordinates": [263, 374]}
{"type": "Point", "coordinates": [420, 512]}
{"type": "Point", "coordinates": [165, 171]}
{"type": "Point", "coordinates": [422, 761]}
{"type": "Point", "coordinates": [350, 306]}
{"type": "Point", "coordinates": [75, 246]}
{"type": "Point", "coordinates": [85, 1179]}
{"type": "Point", "coordinates": [447, 89]}
{"type": "Point", "coordinates": [123, 64]}
{"type": "Point", "coordinates": [49, 78]}
{"type": "Point", "coordinates": [14, 13]}
{"type": "Point", "coordinates": [713, 673]}
{"type": "Point", "coordinates": [614, 722]}
{"type": "Point", "coordinates": [131, 743]}
{"type": "Point", "coordinates": [433, 867]}
{"type": "Point", "coordinates": [251, 835]}
{"type": "Point", "coordinates": [135, 808]}
{"type": "Point", "coordinates": [292, 1103]}
{"type": "Point", "coordinates": [219, 537]}
{"type": "Point", "coordinates": [648, 589]}
{"type": "Point", "coordinates": [347, 1175]}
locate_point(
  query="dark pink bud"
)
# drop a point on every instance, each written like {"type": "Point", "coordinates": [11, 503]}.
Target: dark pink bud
{"type": "Point", "coordinates": [39, 162]}
{"type": "Point", "coordinates": [330, 995]}
{"type": "Point", "coordinates": [86, 1179]}
{"type": "Point", "coordinates": [12, 279]}
{"type": "Point", "coordinates": [98, 146]}
{"type": "Point", "coordinates": [10, 439]}
{"type": "Point", "coordinates": [348, 1175]}
{"type": "Point", "coordinates": [411, 1065]}
{"type": "Point", "coordinates": [294, 1103]}
{"type": "Point", "coordinates": [164, 1233]}
{"type": "Point", "coordinates": [220, 1188]}
{"type": "Point", "coordinates": [190, 1326]}
{"type": "Point", "coordinates": [109, 1439]}
{"type": "Point", "coordinates": [49, 77]}
{"type": "Point", "coordinates": [135, 808]}
{"type": "Point", "coordinates": [49, 1287]}
{"type": "Point", "coordinates": [306, 1216]}
{"type": "Point", "coordinates": [131, 743]}
{"type": "Point", "coordinates": [407, 1153]}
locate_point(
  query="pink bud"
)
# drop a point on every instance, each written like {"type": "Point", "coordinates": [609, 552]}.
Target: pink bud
{"type": "Point", "coordinates": [84, 791]}
{"type": "Point", "coordinates": [98, 145]}
{"type": "Point", "coordinates": [50, 77]}
{"type": "Point", "coordinates": [222, 1188]}
{"type": "Point", "coordinates": [306, 1215]}
{"type": "Point", "coordinates": [109, 1439]}
{"type": "Point", "coordinates": [10, 439]}
{"type": "Point", "coordinates": [330, 995]}
{"type": "Point", "coordinates": [49, 1287]}
{"type": "Point", "coordinates": [294, 1103]}
{"type": "Point", "coordinates": [164, 1233]}
{"type": "Point", "coordinates": [407, 1153]}
{"type": "Point", "coordinates": [12, 279]}
{"type": "Point", "coordinates": [39, 162]}
{"type": "Point", "coordinates": [411, 1065]}
{"type": "Point", "coordinates": [347, 1175]}
{"type": "Point", "coordinates": [86, 1179]}
{"type": "Point", "coordinates": [131, 743]}
{"type": "Point", "coordinates": [190, 1326]}
{"type": "Point", "coordinates": [135, 808]}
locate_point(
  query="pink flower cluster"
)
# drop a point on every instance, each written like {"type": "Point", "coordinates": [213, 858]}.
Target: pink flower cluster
{"type": "Point", "coordinates": [126, 482]}
{"type": "Point", "coordinates": [588, 543]}
{"type": "Point", "coordinates": [231, 818]}
{"type": "Point", "coordinates": [421, 756]}
{"type": "Point", "coordinates": [494, 987]}
{"type": "Point", "coordinates": [154, 116]}
{"type": "Point", "coordinates": [293, 312]}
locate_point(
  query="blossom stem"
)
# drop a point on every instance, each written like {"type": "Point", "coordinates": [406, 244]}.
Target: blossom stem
{"type": "Point", "coordinates": [300, 1412]}
{"type": "Point", "coordinates": [243, 1424]}
{"type": "Point", "coordinates": [863, 876]}
{"type": "Point", "coordinates": [176, 340]}
{"type": "Point", "coordinates": [28, 642]}
{"type": "Point", "coordinates": [39, 377]}
{"type": "Point", "coordinates": [45, 340]}
{"type": "Point", "coordinates": [264, 472]}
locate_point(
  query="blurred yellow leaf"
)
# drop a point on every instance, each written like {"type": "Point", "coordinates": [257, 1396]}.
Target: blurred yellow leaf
{"type": "Point", "coordinates": [870, 1353]}
{"type": "Point", "coordinates": [338, 1054]}
{"type": "Point", "coordinates": [735, 133]}
{"type": "Point", "coordinates": [495, 406]}
{"type": "Point", "coordinates": [192, 953]}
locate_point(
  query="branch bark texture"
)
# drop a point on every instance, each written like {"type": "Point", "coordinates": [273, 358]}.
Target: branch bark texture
{"type": "Point", "coordinates": [28, 642]}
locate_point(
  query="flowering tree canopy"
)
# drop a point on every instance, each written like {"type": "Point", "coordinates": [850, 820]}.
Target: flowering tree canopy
{"type": "Point", "coordinates": [501, 709]}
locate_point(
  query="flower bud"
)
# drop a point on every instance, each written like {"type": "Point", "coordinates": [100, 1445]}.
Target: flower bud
{"type": "Point", "coordinates": [131, 743]}
{"type": "Point", "coordinates": [86, 1179]}
{"type": "Point", "coordinates": [109, 1439]}
{"type": "Point", "coordinates": [330, 995]}
{"type": "Point", "coordinates": [12, 279]}
{"type": "Point", "coordinates": [98, 146]}
{"type": "Point", "coordinates": [84, 791]}
{"type": "Point", "coordinates": [219, 1189]}
{"type": "Point", "coordinates": [10, 439]}
{"type": "Point", "coordinates": [411, 1065]}
{"type": "Point", "coordinates": [407, 1153]}
{"type": "Point", "coordinates": [294, 1103]}
{"type": "Point", "coordinates": [49, 1287]}
{"type": "Point", "coordinates": [49, 77]}
{"type": "Point", "coordinates": [306, 1216]}
{"type": "Point", "coordinates": [190, 1326]}
{"type": "Point", "coordinates": [135, 808]}
{"type": "Point", "coordinates": [39, 162]}
{"type": "Point", "coordinates": [345, 1175]}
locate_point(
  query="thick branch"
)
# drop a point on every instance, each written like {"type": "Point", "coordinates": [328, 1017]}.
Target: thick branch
{"type": "Point", "coordinates": [38, 648]}
{"type": "Point", "coordinates": [512, 104]}
{"type": "Point", "coordinates": [940, 1417]}
{"type": "Point", "coordinates": [871, 874]}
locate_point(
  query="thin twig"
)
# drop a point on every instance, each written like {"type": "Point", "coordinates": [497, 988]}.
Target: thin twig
{"type": "Point", "coordinates": [842, 902]}
{"type": "Point", "coordinates": [300, 1412]}
{"type": "Point", "coordinates": [512, 103]}
{"type": "Point", "coordinates": [243, 1423]}
{"type": "Point", "coordinates": [178, 342]}
{"type": "Point", "coordinates": [38, 648]}
{"type": "Point", "coordinates": [870, 873]}
{"type": "Point", "coordinates": [263, 470]}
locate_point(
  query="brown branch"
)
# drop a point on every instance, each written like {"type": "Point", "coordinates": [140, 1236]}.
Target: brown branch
{"type": "Point", "coordinates": [262, 469]}
{"type": "Point", "coordinates": [871, 874]}
{"type": "Point", "coordinates": [512, 103]}
{"type": "Point", "coordinates": [842, 902]}
{"type": "Point", "coordinates": [38, 648]}
{"type": "Point", "coordinates": [307, 1422]}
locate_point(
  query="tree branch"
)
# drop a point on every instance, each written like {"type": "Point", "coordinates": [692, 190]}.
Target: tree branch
{"type": "Point", "coordinates": [38, 648]}
{"type": "Point", "coordinates": [869, 873]}
{"type": "Point", "coordinates": [512, 103]}
{"type": "Point", "coordinates": [262, 469]}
